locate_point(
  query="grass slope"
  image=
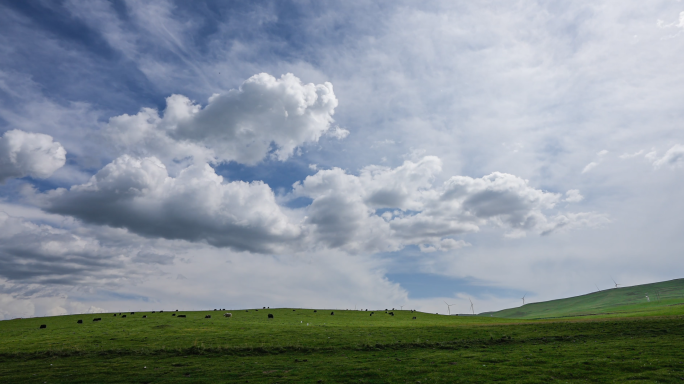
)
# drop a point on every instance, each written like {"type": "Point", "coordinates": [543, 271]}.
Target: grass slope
{"type": "Point", "coordinates": [349, 346]}
{"type": "Point", "coordinates": [627, 301]}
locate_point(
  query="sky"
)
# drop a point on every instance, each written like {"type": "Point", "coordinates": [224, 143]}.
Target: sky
{"type": "Point", "coordinates": [165, 155]}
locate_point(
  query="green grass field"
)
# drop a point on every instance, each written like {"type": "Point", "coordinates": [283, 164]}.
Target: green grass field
{"type": "Point", "coordinates": [300, 346]}
{"type": "Point", "coordinates": [618, 302]}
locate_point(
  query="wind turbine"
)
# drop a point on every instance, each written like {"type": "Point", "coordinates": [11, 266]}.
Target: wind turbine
{"type": "Point", "coordinates": [599, 289]}
{"type": "Point", "coordinates": [449, 307]}
{"type": "Point", "coordinates": [616, 284]}
{"type": "Point", "coordinates": [472, 308]}
{"type": "Point", "coordinates": [523, 298]}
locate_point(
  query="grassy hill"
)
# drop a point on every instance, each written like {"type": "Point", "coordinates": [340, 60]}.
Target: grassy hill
{"type": "Point", "coordinates": [628, 301]}
{"type": "Point", "coordinates": [308, 346]}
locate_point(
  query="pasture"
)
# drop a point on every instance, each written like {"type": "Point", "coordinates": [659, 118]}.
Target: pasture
{"type": "Point", "coordinates": [303, 346]}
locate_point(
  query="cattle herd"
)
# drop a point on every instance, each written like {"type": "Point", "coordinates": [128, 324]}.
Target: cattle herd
{"type": "Point", "coordinates": [227, 314]}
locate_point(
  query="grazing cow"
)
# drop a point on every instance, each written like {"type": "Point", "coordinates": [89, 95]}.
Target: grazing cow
{"type": "Point", "coordinates": [43, 326]}
{"type": "Point", "coordinates": [227, 315]}
{"type": "Point", "coordinates": [145, 317]}
{"type": "Point", "coordinates": [293, 310]}
{"type": "Point", "coordinates": [115, 315]}
{"type": "Point", "coordinates": [207, 317]}
{"type": "Point", "coordinates": [263, 308]}
{"type": "Point", "coordinates": [97, 319]}
{"type": "Point", "coordinates": [332, 313]}
{"type": "Point", "coordinates": [176, 310]}
{"type": "Point", "coordinates": [79, 322]}
{"type": "Point", "coordinates": [391, 313]}
{"type": "Point", "coordinates": [246, 310]}
{"type": "Point", "coordinates": [173, 314]}
{"type": "Point", "coordinates": [152, 311]}
{"type": "Point", "coordinates": [371, 314]}
{"type": "Point", "coordinates": [123, 316]}
{"type": "Point", "coordinates": [161, 311]}
{"type": "Point", "coordinates": [270, 316]}
{"type": "Point", "coordinates": [414, 317]}
{"type": "Point", "coordinates": [181, 315]}
{"type": "Point", "coordinates": [315, 311]}
{"type": "Point", "coordinates": [132, 313]}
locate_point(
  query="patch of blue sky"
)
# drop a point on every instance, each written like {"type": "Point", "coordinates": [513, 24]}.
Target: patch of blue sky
{"type": "Point", "coordinates": [89, 69]}
{"type": "Point", "coordinates": [428, 285]}
{"type": "Point", "coordinates": [279, 175]}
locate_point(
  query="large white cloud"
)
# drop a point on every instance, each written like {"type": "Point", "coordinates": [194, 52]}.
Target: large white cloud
{"type": "Point", "coordinates": [385, 209]}
{"type": "Point", "coordinates": [264, 116]}
{"type": "Point", "coordinates": [29, 154]}
{"type": "Point", "coordinates": [139, 194]}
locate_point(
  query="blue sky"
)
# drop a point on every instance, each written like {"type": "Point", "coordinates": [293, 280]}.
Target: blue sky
{"type": "Point", "coordinates": [327, 154]}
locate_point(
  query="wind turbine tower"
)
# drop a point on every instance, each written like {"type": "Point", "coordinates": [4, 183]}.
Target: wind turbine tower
{"type": "Point", "coordinates": [523, 298]}
{"type": "Point", "coordinates": [449, 307]}
{"type": "Point", "coordinates": [472, 308]}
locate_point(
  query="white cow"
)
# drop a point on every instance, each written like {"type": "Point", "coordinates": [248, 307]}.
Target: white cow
{"type": "Point", "coordinates": [227, 315]}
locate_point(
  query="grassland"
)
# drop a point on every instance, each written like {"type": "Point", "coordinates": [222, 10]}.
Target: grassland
{"type": "Point", "coordinates": [303, 346]}
{"type": "Point", "coordinates": [616, 302]}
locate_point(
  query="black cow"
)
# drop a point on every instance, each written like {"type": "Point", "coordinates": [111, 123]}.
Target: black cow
{"type": "Point", "coordinates": [270, 316]}
{"type": "Point", "coordinates": [132, 313]}
{"type": "Point", "coordinates": [391, 313]}
{"type": "Point", "coordinates": [315, 311]}
{"type": "Point", "coordinates": [181, 315]}
{"type": "Point", "coordinates": [122, 316]}
{"type": "Point", "coordinates": [414, 317]}
{"type": "Point", "coordinates": [152, 311]}
{"type": "Point", "coordinates": [161, 311]}
{"type": "Point", "coordinates": [145, 317]}
{"type": "Point", "coordinates": [176, 310]}
{"type": "Point", "coordinates": [97, 319]}
{"type": "Point", "coordinates": [79, 322]}
{"type": "Point", "coordinates": [207, 317]}
{"type": "Point", "coordinates": [293, 310]}
{"type": "Point", "coordinates": [263, 308]}
{"type": "Point", "coordinates": [173, 314]}
{"type": "Point", "coordinates": [43, 326]}
{"type": "Point", "coordinates": [115, 315]}
{"type": "Point", "coordinates": [332, 313]}
{"type": "Point", "coordinates": [371, 314]}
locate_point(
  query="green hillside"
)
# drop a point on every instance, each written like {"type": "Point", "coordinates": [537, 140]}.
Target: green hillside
{"type": "Point", "coordinates": [664, 298]}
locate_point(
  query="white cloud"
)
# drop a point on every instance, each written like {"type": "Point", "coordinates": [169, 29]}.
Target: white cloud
{"type": "Point", "coordinates": [344, 213]}
{"type": "Point", "coordinates": [573, 196]}
{"type": "Point", "coordinates": [139, 194]}
{"type": "Point", "coordinates": [264, 116]}
{"type": "Point", "coordinates": [674, 157]}
{"type": "Point", "coordinates": [29, 154]}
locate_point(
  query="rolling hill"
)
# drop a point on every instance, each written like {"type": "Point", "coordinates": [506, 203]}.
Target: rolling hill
{"type": "Point", "coordinates": [619, 301]}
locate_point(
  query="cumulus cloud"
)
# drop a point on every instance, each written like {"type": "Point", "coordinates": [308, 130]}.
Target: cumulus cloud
{"type": "Point", "coordinates": [381, 209]}
{"type": "Point", "coordinates": [197, 205]}
{"type": "Point", "coordinates": [385, 209]}
{"type": "Point", "coordinates": [29, 154]}
{"type": "Point", "coordinates": [265, 116]}
{"type": "Point", "coordinates": [674, 157]}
